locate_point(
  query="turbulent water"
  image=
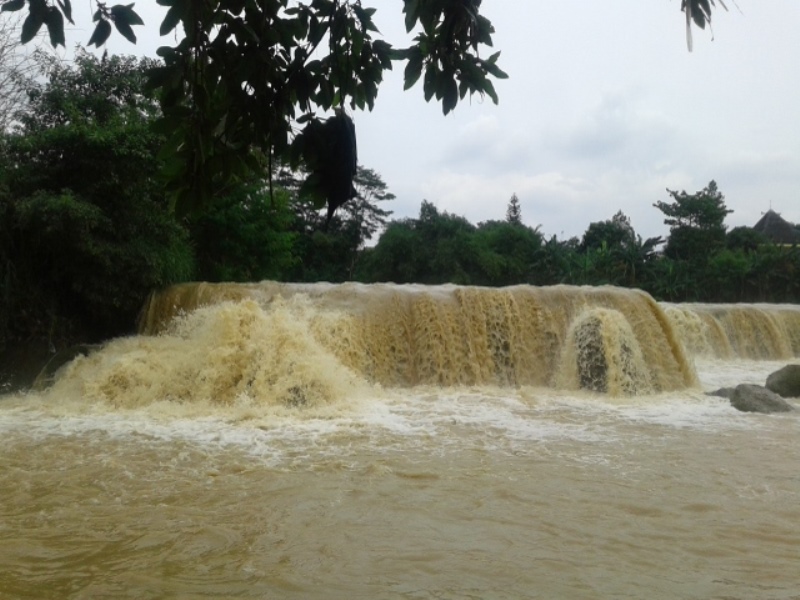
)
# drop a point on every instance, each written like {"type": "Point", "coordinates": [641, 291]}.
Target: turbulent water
{"type": "Point", "coordinates": [248, 452]}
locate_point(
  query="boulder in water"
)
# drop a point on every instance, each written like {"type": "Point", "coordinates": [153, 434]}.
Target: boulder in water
{"type": "Point", "coordinates": [603, 355]}
{"type": "Point", "coordinates": [49, 372]}
{"type": "Point", "coordinates": [785, 382]}
{"type": "Point", "coordinates": [755, 398]}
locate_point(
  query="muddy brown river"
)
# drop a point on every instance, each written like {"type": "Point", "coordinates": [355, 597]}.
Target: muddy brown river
{"type": "Point", "coordinates": [381, 492]}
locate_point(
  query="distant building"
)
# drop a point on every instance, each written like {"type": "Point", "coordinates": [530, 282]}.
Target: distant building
{"type": "Point", "coordinates": [777, 229]}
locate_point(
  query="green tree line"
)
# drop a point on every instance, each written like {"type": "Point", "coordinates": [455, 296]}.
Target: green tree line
{"type": "Point", "coordinates": [86, 226]}
{"type": "Point", "coordinates": [87, 230]}
{"type": "Point", "coordinates": [699, 261]}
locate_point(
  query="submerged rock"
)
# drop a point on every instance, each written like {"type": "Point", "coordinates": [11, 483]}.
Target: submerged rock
{"type": "Point", "coordinates": [785, 382]}
{"type": "Point", "coordinates": [603, 355]}
{"type": "Point", "coordinates": [725, 392]}
{"type": "Point", "coordinates": [48, 373]}
{"type": "Point", "coordinates": [755, 398]}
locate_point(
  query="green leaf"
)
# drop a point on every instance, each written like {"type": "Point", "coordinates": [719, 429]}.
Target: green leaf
{"type": "Point", "coordinates": [55, 27]}
{"type": "Point", "coordinates": [171, 20]}
{"type": "Point", "coordinates": [101, 33]}
{"type": "Point", "coordinates": [429, 85]}
{"type": "Point", "coordinates": [358, 43]}
{"type": "Point", "coordinates": [413, 70]}
{"type": "Point", "coordinates": [400, 53]}
{"type": "Point", "coordinates": [13, 5]}
{"type": "Point", "coordinates": [412, 11]}
{"type": "Point", "coordinates": [494, 70]}
{"type": "Point", "coordinates": [33, 22]}
{"type": "Point", "coordinates": [449, 95]}
{"type": "Point", "coordinates": [488, 87]}
{"type": "Point", "coordinates": [365, 17]}
{"type": "Point", "coordinates": [125, 29]}
{"type": "Point", "coordinates": [134, 18]}
{"type": "Point", "coordinates": [164, 77]}
{"type": "Point", "coordinates": [66, 8]}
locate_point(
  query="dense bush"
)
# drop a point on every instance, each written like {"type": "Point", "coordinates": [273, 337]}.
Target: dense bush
{"type": "Point", "coordinates": [87, 231]}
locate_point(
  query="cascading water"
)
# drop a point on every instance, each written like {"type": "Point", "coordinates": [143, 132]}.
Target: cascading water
{"type": "Point", "coordinates": [752, 331]}
{"type": "Point", "coordinates": [454, 336]}
{"type": "Point", "coordinates": [382, 441]}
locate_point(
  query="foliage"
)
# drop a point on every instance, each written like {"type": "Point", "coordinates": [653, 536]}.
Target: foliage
{"type": "Point", "coordinates": [244, 72]}
{"type": "Point", "coordinates": [508, 250]}
{"type": "Point", "coordinates": [396, 257]}
{"type": "Point", "coordinates": [702, 210]}
{"type": "Point", "coordinates": [613, 233]}
{"type": "Point", "coordinates": [745, 239]}
{"type": "Point", "coordinates": [439, 247]}
{"type": "Point", "coordinates": [514, 210]}
{"type": "Point", "coordinates": [245, 235]}
{"type": "Point", "coordinates": [93, 266]}
{"type": "Point", "coordinates": [698, 11]}
{"type": "Point", "coordinates": [434, 248]}
{"type": "Point", "coordinates": [610, 252]}
{"type": "Point", "coordinates": [89, 91]}
{"type": "Point", "coordinates": [696, 222]}
{"type": "Point", "coordinates": [15, 66]}
{"type": "Point", "coordinates": [330, 249]}
{"type": "Point", "coordinates": [553, 264]}
{"type": "Point", "coordinates": [90, 230]}
{"type": "Point", "coordinates": [448, 250]}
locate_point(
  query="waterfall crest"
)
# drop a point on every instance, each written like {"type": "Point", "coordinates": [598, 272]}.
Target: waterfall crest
{"type": "Point", "coordinates": [405, 335]}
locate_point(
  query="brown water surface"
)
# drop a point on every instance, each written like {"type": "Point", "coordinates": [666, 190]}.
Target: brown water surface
{"type": "Point", "coordinates": [473, 493]}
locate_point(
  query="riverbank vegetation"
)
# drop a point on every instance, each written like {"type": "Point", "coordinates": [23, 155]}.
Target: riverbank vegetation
{"type": "Point", "coordinates": [87, 228]}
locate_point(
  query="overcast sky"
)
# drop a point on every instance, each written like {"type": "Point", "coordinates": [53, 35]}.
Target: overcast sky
{"type": "Point", "coordinates": [603, 110]}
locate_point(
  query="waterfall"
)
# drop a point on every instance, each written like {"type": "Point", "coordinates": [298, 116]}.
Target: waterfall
{"type": "Point", "coordinates": [750, 331]}
{"type": "Point", "coordinates": [291, 345]}
{"type": "Point", "coordinates": [405, 335]}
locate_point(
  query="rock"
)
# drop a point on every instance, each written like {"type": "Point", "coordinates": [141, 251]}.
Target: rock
{"type": "Point", "coordinates": [785, 382]}
{"type": "Point", "coordinates": [606, 354]}
{"type": "Point", "coordinates": [21, 362]}
{"type": "Point", "coordinates": [754, 398]}
{"type": "Point", "coordinates": [48, 373]}
{"type": "Point", "coordinates": [722, 393]}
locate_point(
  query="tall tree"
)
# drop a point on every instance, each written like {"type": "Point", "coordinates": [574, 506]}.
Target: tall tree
{"type": "Point", "coordinates": [613, 233]}
{"type": "Point", "coordinates": [696, 222]}
{"type": "Point", "coordinates": [17, 64]}
{"type": "Point", "coordinates": [244, 72]}
{"type": "Point", "coordinates": [329, 249]}
{"type": "Point", "coordinates": [514, 211]}
{"type": "Point", "coordinates": [89, 231]}
{"type": "Point", "coordinates": [507, 252]}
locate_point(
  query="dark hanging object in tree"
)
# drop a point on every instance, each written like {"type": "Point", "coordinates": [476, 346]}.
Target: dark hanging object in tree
{"type": "Point", "coordinates": [698, 11]}
{"type": "Point", "coordinates": [330, 155]}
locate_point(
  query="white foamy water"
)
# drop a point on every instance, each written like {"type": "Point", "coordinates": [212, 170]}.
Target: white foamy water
{"type": "Point", "coordinates": [473, 492]}
{"type": "Point", "coordinates": [284, 441]}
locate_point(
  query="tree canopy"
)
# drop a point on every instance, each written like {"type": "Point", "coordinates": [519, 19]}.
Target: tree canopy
{"type": "Point", "coordinates": [696, 222]}
{"type": "Point", "coordinates": [84, 225]}
{"type": "Point", "coordinates": [245, 74]}
{"type": "Point", "coordinates": [514, 210]}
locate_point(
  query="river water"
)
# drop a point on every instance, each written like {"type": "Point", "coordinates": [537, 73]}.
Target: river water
{"type": "Point", "coordinates": [482, 491]}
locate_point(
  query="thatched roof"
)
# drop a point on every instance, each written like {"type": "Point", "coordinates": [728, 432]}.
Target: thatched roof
{"type": "Point", "coordinates": [777, 229]}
